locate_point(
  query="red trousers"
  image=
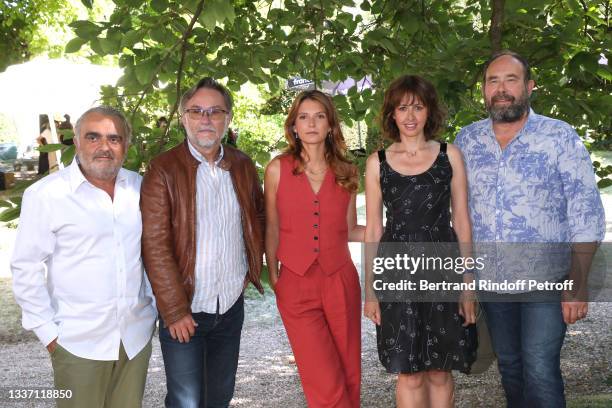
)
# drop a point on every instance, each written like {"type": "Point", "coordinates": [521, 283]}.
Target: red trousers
{"type": "Point", "coordinates": [322, 316]}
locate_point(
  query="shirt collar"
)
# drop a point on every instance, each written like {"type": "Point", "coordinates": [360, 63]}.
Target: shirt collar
{"type": "Point", "coordinates": [77, 177]}
{"type": "Point", "coordinates": [198, 156]}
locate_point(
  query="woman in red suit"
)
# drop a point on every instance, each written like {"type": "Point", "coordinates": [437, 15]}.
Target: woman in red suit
{"type": "Point", "coordinates": [311, 216]}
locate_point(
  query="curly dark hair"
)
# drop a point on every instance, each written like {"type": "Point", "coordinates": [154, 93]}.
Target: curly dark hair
{"type": "Point", "coordinates": [423, 91]}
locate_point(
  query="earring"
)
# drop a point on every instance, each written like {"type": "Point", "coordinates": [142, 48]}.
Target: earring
{"type": "Point", "coordinates": [295, 134]}
{"type": "Point", "coordinates": [329, 134]}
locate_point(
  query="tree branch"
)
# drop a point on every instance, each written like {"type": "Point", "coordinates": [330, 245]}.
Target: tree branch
{"type": "Point", "coordinates": [497, 20]}
{"type": "Point", "coordinates": [377, 21]}
{"type": "Point", "coordinates": [179, 73]}
{"type": "Point", "coordinates": [586, 18]}
{"type": "Point", "coordinates": [153, 78]}
{"type": "Point", "coordinates": [316, 62]}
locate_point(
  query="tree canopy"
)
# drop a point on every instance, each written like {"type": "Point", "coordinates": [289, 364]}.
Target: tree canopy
{"type": "Point", "coordinates": [25, 26]}
{"type": "Point", "coordinates": [164, 46]}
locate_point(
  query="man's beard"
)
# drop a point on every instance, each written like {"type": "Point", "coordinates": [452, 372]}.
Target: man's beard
{"type": "Point", "coordinates": [107, 172]}
{"type": "Point", "coordinates": [509, 113]}
{"type": "Point", "coordinates": [206, 142]}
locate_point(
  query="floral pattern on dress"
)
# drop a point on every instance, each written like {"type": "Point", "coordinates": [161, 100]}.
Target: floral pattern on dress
{"type": "Point", "coordinates": [419, 336]}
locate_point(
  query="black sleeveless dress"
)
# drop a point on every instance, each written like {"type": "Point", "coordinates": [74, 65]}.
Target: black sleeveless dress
{"type": "Point", "coordinates": [419, 336]}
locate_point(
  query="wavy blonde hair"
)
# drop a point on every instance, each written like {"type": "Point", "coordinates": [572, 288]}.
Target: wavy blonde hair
{"type": "Point", "coordinates": [345, 172]}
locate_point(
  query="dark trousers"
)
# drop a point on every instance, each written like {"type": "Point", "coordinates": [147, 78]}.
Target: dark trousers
{"type": "Point", "coordinates": [527, 338]}
{"type": "Point", "coordinates": [202, 372]}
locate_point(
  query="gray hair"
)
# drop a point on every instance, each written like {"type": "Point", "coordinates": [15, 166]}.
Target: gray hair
{"type": "Point", "coordinates": [106, 111]}
{"type": "Point", "coordinates": [210, 83]}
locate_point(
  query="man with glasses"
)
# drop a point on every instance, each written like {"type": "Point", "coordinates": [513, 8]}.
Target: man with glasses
{"type": "Point", "coordinates": [77, 270]}
{"type": "Point", "coordinates": [203, 220]}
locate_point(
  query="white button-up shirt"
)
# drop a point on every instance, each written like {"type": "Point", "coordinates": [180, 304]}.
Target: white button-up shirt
{"type": "Point", "coordinates": [221, 264]}
{"type": "Point", "coordinates": [77, 270]}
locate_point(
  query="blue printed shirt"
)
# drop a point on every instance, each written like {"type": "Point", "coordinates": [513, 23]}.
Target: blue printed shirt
{"type": "Point", "coordinates": [539, 189]}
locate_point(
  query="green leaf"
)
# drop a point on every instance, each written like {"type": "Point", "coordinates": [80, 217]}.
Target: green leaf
{"type": "Point", "coordinates": [262, 158]}
{"type": "Point", "coordinates": [51, 147]}
{"type": "Point", "coordinates": [68, 155]}
{"type": "Point", "coordinates": [74, 45]}
{"type": "Point", "coordinates": [157, 34]}
{"type": "Point", "coordinates": [133, 159]}
{"type": "Point", "coordinates": [5, 204]}
{"type": "Point", "coordinates": [159, 5]}
{"type": "Point", "coordinates": [131, 38]}
{"type": "Point", "coordinates": [87, 3]}
{"type": "Point", "coordinates": [584, 61]}
{"type": "Point", "coordinates": [144, 71]}
{"type": "Point", "coordinates": [208, 19]}
{"type": "Point", "coordinates": [67, 134]}
{"type": "Point", "coordinates": [10, 214]}
{"type": "Point", "coordinates": [575, 6]}
{"type": "Point", "coordinates": [217, 11]}
{"type": "Point", "coordinates": [388, 44]}
{"type": "Point", "coordinates": [601, 184]}
{"type": "Point", "coordinates": [226, 11]}
{"type": "Point", "coordinates": [133, 3]}
{"type": "Point", "coordinates": [85, 29]}
{"type": "Point", "coordinates": [604, 72]}
{"type": "Point", "coordinates": [109, 46]}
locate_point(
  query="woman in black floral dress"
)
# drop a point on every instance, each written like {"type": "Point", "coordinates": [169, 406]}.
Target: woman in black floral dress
{"type": "Point", "coordinates": [419, 181]}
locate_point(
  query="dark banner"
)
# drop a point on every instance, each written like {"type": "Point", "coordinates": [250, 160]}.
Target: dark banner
{"type": "Point", "coordinates": [441, 271]}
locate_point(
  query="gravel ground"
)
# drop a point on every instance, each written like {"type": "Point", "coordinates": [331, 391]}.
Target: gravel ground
{"type": "Point", "coordinates": [267, 378]}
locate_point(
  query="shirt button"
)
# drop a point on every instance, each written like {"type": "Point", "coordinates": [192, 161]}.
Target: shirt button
{"type": "Point", "coordinates": [316, 213]}
{"type": "Point", "coordinates": [316, 201]}
{"type": "Point", "coordinates": [316, 238]}
{"type": "Point", "coordinates": [316, 225]}
{"type": "Point", "coordinates": [316, 249]}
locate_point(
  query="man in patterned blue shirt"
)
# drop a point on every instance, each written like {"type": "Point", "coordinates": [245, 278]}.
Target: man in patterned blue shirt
{"type": "Point", "coordinates": [531, 189]}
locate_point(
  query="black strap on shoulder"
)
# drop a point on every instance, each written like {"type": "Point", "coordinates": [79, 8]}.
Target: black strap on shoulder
{"type": "Point", "coordinates": [382, 157]}
{"type": "Point", "coordinates": [443, 147]}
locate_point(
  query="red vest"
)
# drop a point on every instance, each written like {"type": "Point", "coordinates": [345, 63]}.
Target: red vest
{"type": "Point", "coordinates": [312, 226]}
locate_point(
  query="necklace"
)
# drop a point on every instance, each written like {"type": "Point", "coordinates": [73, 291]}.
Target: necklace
{"type": "Point", "coordinates": [315, 172]}
{"type": "Point", "coordinates": [413, 153]}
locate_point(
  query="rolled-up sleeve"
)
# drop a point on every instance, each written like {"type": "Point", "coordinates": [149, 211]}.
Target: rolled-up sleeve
{"type": "Point", "coordinates": [33, 248]}
{"type": "Point", "coordinates": [585, 212]}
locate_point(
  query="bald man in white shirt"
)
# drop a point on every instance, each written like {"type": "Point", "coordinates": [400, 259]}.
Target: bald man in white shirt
{"type": "Point", "coordinates": [77, 269]}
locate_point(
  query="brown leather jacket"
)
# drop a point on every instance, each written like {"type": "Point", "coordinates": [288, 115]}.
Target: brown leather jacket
{"type": "Point", "coordinates": [168, 201]}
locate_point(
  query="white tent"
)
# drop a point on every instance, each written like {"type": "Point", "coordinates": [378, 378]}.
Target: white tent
{"type": "Point", "coordinates": [52, 87]}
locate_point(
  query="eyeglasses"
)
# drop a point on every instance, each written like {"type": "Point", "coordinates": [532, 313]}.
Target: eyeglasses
{"type": "Point", "coordinates": [214, 114]}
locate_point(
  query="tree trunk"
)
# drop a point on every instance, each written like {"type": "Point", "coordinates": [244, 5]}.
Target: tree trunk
{"type": "Point", "coordinates": [497, 20]}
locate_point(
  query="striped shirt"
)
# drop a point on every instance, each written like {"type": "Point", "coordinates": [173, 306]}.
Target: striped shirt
{"type": "Point", "coordinates": [221, 264]}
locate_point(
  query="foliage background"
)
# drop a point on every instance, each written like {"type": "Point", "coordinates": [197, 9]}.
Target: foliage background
{"type": "Point", "coordinates": [164, 46]}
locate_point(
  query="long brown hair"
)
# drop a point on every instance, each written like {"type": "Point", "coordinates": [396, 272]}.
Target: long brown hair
{"type": "Point", "coordinates": [335, 147]}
